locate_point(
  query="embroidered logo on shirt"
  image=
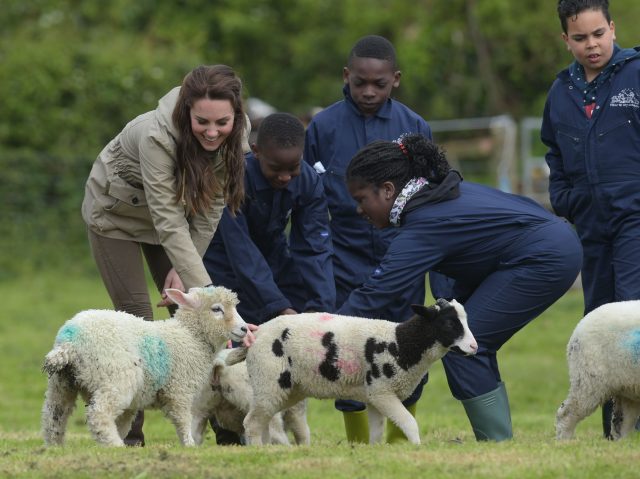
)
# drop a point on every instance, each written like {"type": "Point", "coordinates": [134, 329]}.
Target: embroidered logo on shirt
{"type": "Point", "coordinates": [319, 167]}
{"type": "Point", "coordinates": [626, 98]}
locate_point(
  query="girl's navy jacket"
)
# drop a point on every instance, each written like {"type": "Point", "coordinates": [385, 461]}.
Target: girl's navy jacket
{"type": "Point", "coordinates": [467, 239]}
{"type": "Point", "coordinates": [269, 269]}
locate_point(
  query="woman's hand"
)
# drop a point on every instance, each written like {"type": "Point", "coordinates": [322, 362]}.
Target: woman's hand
{"type": "Point", "coordinates": [171, 281]}
{"type": "Point", "coordinates": [249, 338]}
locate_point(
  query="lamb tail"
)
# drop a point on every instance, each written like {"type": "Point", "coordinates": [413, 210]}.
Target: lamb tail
{"type": "Point", "coordinates": [57, 359]}
{"type": "Point", "coordinates": [236, 355]}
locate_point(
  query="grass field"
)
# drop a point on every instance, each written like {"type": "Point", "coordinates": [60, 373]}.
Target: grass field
{"type": "Point", "coordinates": [532, 364]}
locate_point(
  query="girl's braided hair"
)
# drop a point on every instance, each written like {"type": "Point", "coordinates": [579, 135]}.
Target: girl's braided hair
{"type": "Point", "coordinates": [411, 156]}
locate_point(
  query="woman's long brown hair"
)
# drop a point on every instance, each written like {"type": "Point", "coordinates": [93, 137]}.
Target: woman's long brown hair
{"type": "Point", "coordinates": [196, 183]}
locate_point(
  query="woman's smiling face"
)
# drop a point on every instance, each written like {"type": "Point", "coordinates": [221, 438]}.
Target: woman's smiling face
{"type": "Point", "coordinates": [211, 122]}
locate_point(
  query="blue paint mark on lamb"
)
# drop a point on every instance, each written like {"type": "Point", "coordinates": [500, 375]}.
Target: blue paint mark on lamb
{"type": "Point", "coordinates": [67, 334]}
{"type": "Point", "coordinates": [632, 344]}
{"type": "Point", "coordinates": [156, 359]}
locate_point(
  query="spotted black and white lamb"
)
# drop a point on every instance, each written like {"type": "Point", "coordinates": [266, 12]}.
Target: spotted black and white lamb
{"type": "Point", "coordinates": [228, 400]}
{"type": "Point", "coordinates": [120, 364]}
{"type": "Point", "coordinates": [603, 356]}
{"type": "Point", "coordinates": [329, 356]}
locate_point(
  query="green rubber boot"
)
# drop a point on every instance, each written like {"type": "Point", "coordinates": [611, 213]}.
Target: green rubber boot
{"type": "Point", "coordinates": [489, 415]}
{"type": "Point", "coordinates": [356, 425]}
{"type": "Point", "coordinates": [394, 433]}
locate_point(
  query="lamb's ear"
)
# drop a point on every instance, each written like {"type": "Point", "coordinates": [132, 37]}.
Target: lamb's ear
{"type": "Point", "coordinates": [428, 312]}
{"type": "Point", "coordinates": [186, 300]}
{"type": "Point", "coordinates": [218, 365]}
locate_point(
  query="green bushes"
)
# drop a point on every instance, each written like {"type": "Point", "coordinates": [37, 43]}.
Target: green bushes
{"type": "Point", "coordinates": [73, 72]}
{"type": "Point", "coordinates": [65, 92]}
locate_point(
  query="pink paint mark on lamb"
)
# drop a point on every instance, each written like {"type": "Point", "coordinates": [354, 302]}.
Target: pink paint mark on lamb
{"type": "Point", "coordinates": [317, 334]}
{"type": "Point", "coordinates": [325, 317]}
{"type": "Point", "coordinates": [349, 362]}
{"type": "Point", "coordinates": [349, 366]}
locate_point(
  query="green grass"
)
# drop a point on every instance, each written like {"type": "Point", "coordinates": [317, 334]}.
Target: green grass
{"type": "Point", "coordinates": [533, 367]}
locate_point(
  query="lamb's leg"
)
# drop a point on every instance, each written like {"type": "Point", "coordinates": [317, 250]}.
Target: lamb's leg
{"type": "Point", "coordinates": [391, 407]}
{"type": "Point", "coordinates": [256, 424]}
{"type": "Point", "coordinates": [198, 428]}
{"type": "Point", "coordinates": [102, 412]}
{"type": "Point", "coordinates": [179, 413]}
{"type": "Point", "coordinates": [277, 434]}
{"type": "Point", "coordinates": [295, 420]}
{"type": "Point", "coordinates": [59, 403]}
{"type": "Point", "coordinates": [376, 424]}
{"type": "Point", "coordinates": [577, 406]}
{"type": "Point", "coordinates": [124, 421]}
{"type": "Point", "coordinates": [625, 416]}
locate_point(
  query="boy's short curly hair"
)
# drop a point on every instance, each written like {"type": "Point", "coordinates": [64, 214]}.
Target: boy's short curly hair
{"type": "Point", "coordinates": [373, 46]}
{"type": "Point", "coordinates": [571, 9]}
{"type": "Point", "coordinates": [282, 130]}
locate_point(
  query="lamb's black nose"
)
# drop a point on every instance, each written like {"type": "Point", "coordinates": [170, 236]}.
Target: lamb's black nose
{"type": "Point", "coordinates": [244, 329]}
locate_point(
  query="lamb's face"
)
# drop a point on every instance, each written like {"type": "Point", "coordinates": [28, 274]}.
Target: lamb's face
{"type": "Point", "coordinates": [226, 313]}
{"type": "Point", "coordinates": [449, 325]}
{"type": "Point", "coordinates": [464, 342]}
{"type": "Point", "coordinates": [215, 305]}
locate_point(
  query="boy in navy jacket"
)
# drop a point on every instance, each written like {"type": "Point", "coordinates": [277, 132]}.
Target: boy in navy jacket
{"type": "Point", "coordinates": [591, 125]}
{"type": "Point", "coordinates": [273, 271]}
{"type": "Point", "coordinates": [367, 113]}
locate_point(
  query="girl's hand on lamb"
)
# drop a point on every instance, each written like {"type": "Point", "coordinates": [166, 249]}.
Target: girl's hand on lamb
{"type": "Point", "coordinates": [171, 281]}
{"type": "Point", "coordinates": [288, 311]}
{"type": "Point", "coordinates": [249, 338]}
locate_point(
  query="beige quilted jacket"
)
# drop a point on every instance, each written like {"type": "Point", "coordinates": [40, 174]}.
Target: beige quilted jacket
{"type": "Point", "coordinates": [131, 194]}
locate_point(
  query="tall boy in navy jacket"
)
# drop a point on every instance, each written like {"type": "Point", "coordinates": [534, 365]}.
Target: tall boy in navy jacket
{"type": "Point", "coordinates": [272, 271]}
{"type": "Point", "coordinates": [367, 113]}
{"type": "Point", "coordinates": [592, 128]}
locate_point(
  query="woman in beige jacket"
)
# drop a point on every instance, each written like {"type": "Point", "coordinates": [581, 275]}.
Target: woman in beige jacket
{"type": "Point", "coordinates": [159, 187]}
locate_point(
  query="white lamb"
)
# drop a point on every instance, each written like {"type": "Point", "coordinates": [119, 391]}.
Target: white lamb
{"type": "Point", "coordinates": [328, 356]}
{"type": "Point", "coordinates": [228, 400]}
{"type": "Point", "coordinates": [603, 356]}
{"type": "Point", "coordinates": [120, 364]}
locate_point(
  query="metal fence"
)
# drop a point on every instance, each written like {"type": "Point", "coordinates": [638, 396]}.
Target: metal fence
{"type": "Point", "coordinates": [486, 149]}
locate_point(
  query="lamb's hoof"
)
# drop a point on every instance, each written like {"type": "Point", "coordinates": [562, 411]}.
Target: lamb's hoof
{"type": "Point", "coordinates": [134, 442]}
